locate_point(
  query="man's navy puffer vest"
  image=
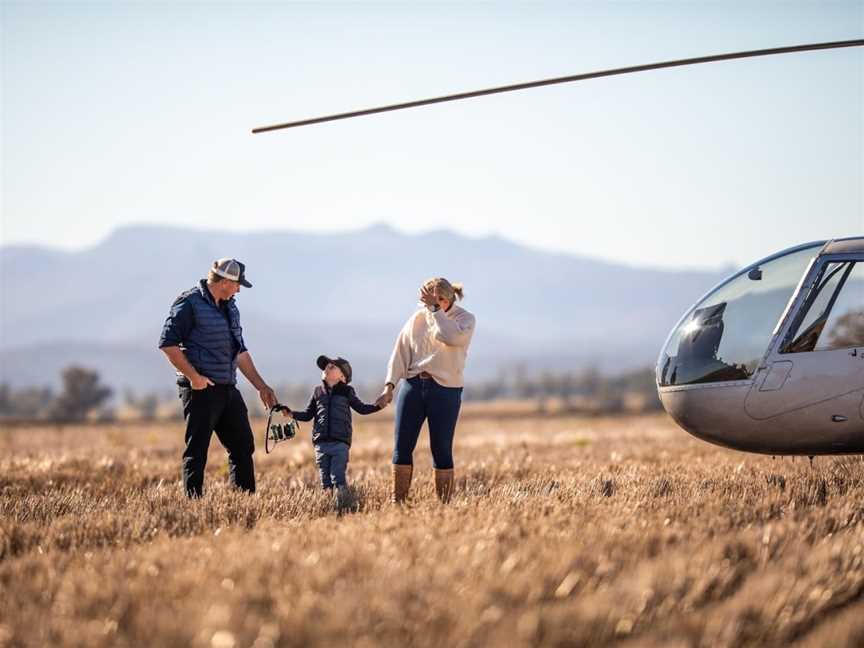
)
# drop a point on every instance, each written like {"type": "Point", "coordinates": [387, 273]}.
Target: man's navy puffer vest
{"type": "Point", "coordinates": [212, 345]}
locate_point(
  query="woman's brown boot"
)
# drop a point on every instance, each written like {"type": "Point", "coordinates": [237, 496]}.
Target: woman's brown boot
{"type": "Point", "coordinates": [401, 482]}
{"type": "Point", "coordinates": [444, 484]}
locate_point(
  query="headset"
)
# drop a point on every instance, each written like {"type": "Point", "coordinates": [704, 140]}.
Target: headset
{"type": "Point", "coordinates": [280, 430]}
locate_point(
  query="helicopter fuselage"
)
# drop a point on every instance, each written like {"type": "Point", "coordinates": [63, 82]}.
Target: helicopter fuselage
{"type": "Point", "coordinates": [772, 359]}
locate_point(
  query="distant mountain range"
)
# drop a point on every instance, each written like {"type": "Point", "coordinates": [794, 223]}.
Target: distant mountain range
{"type": "Point", "coordinates": [346, 294]}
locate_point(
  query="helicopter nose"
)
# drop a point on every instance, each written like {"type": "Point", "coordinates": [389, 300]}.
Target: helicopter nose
{"type": "Point", "coordinates": [715, 414]}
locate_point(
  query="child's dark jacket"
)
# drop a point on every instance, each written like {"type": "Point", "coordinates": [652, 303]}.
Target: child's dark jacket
{"type": "Point", "coordinates": [331, 411]}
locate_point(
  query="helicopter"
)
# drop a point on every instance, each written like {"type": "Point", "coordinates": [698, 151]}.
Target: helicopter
{"type": "Point", "coordinates": [771, 360]}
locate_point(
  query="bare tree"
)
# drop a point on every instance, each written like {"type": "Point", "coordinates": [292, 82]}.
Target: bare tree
{"type": "Point", "coordinates": [26, 402]}
{"type": "Point", "coordinates": [5, 400]}
{"type": "Point", "coordinates": [81, 394]}
{"type": "Point", "coordinates": [146, 406]}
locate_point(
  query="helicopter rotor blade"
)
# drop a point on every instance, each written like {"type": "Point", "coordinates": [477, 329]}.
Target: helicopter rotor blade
{"type": "Point", "coordinates": [564, 79]}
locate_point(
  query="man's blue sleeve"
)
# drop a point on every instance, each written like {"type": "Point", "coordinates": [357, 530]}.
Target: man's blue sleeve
{"type": "Point", "coordinates": [178, 325]}
{"type": "Point", "coordinates": [238, 339]}
{"type": "Point", "coordinates": [242, 348]}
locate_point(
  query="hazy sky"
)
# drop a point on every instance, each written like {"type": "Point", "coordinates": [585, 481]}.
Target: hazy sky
{"type": "Point", "coordinates": [118, 113]}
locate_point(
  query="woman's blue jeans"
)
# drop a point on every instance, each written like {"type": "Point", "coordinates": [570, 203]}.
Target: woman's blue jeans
{"type": "Point", "coordinates": [422, 399]}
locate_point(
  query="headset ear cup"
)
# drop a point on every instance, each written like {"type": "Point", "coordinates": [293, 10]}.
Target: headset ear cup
{"type": "Point", "coordinates": [276, 432]}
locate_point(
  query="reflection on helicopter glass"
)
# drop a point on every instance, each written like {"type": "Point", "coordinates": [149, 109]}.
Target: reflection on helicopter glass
{"type": "Point", "coordinates": [833, 314]}
{"type": "Point", "coordinates": [725, 335]}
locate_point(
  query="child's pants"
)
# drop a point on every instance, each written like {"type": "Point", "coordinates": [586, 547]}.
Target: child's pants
{"type": "Point", "coordinates": [332, 460]}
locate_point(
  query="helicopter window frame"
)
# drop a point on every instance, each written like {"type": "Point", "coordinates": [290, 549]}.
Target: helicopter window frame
{"type": "Point", "coordinates": [825, 273]}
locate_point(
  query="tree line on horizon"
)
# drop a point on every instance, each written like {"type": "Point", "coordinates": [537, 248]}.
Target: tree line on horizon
{"type": "Point", "coordinates": [84, 397]}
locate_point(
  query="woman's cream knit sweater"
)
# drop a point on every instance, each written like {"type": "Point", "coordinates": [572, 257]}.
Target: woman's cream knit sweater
{"type": "Point", "coordinates": [436, 343]}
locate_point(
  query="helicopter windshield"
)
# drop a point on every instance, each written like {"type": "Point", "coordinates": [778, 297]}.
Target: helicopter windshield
{"type": "Point", "coordinates": [725, 335]}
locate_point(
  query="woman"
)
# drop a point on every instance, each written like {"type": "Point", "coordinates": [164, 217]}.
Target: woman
{"type": "Point", "coordinates": [430, 355]}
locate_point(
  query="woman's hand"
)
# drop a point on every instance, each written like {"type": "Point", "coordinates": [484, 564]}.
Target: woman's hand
{"type": "Point", "coordinates": [386, 396]}
{"type": "Point", "coordinates": [433, 301]}
{"type": "Point", "coordinates": [428, 297]}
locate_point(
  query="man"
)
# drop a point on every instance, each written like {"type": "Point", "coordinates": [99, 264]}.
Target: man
{"type": "Point", "coordinates": [203, 339]}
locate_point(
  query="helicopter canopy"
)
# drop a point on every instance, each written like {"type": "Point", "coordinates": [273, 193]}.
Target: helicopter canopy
{"type": "Point", "coordinates": [725, 335]}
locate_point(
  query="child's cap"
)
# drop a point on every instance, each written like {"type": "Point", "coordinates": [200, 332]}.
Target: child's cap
{"type": "Point", "coordinates": [342, 363]}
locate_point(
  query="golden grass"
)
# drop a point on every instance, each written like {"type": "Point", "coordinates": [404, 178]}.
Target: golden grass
{"type": "Point", "coordinates": [563, 531]}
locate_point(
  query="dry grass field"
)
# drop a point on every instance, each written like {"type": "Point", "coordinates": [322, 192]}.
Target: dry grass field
{"type": "Point", "coordinates": [563, 532]}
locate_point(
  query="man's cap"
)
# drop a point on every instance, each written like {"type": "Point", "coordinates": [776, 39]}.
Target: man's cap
{"type": "Point", "coordinates": [231, 269]}
{"type": "Point", "coordinates": [342, 363]}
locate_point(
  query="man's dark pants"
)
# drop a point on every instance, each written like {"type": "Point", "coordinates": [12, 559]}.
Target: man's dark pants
{"type": "Point", "coordinates": [220, 409]}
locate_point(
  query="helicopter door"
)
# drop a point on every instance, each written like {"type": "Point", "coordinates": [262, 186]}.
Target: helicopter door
{"type": "Point", "coordinates": [818, 365]}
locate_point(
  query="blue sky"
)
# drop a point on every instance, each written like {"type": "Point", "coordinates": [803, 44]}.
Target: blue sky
{"type": "Point", "coordinates": [117, 113]}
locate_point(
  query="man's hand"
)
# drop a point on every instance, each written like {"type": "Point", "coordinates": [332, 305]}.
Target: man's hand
{"type": "Point", "coordinates": [200, 382]}
{"type": "Point", "coordinates": [247, 367]}
{"type": "Point", "coordinates": [268, 397]}
{"type": "Point", "coordinates": [181, 363]}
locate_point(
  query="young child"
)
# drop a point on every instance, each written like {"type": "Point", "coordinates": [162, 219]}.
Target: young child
{"type": "Point", "coordinates": [330, 407]}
